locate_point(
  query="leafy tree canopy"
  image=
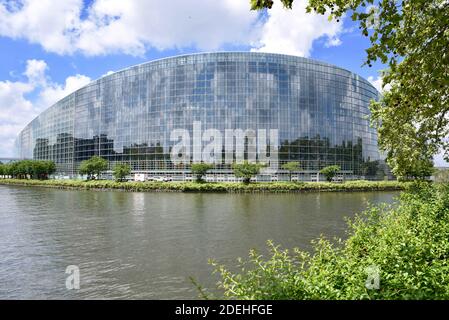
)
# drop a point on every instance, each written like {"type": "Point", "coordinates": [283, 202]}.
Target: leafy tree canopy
{"type": "Point", "coordinates": [330, 172]}
{"type": "Point", "coordinates": [121, 170]}
{"type": "Point", "coordinates": [94, 166]}
{"type": "Point", "coordinates": [200, 169]}
{"type": "Point", "coordinates": [291, 166]}
{"type": "Point", "coordinates": [412, 38]}
{"type": "Point", "coordinates": [246, 170]}
{"type": "Point", "coordinates": [38, 169]}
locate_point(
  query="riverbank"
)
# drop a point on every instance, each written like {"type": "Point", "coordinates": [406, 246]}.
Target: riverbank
{"type": "Point", "coordinates": [222, 187]}
{"type": "Point", "coordinates": [392, 253]}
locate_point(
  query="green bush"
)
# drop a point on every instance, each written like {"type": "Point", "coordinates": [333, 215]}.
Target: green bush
{"type": "Point", "coordinates": [246, 170]}
{"type": "Point", "coordinates": [408, 244]}
{"type": "Point", "coordinates": [121, 170]}
{"type": "Point", "coordinates": [93, 167]}
{"type": "Point", "coordinates": [217, 186]}
{"type": "Point", "coordinates": [199, 170]}
{"type": "Point", "coordinates": [330, 172]}
{"type": "Point", "coordinates": [292, 166]}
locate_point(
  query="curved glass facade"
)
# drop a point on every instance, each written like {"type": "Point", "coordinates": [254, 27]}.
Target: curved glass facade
{"type": "Point", "coordinates": [320, 111]}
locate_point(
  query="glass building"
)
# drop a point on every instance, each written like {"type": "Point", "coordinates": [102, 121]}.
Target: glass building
{"type": "Point", "coordinates": [320, 112]}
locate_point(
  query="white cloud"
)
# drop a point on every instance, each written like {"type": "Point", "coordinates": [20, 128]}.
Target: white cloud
{"type": "Point", "coordinates": [377, 82]}
{"type": "Point", "coordinates": [108, 73]}
{"type": "Point", "coordinates": [35, 72]}
{"type": "Point", "coordinates": [128, 26]}
{"type": "Point", "coordinates": [17, 109]}
{"type": "Point", "coordinates": [333, 42]}
{"type": "Point", "coordinates": [50, 23]}
{"type": "Point", "coordinates": [54, 92]}
{"type": "Point", "coordinates": [133, 26]}
{"type": "Point", "coordinates": [294, 31]}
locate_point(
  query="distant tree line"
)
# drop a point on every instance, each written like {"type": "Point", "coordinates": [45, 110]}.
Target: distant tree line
{"type": "Point", "coordinates": [28, 169]}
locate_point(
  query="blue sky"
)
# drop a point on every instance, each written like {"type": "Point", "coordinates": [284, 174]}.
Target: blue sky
{"type": "Point", "coordinates": [49, 48]}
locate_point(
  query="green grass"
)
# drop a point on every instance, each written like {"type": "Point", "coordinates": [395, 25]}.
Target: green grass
{"type": "Point", "coordinates": [407, 244]}
{"type": "Point", "coordinates": [213, 186]}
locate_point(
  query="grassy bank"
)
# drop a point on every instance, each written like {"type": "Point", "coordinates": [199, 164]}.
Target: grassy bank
{"type": "Point", "coordinates": [404, 247]}
{"type": "Point", "coordinates": [212, 187]}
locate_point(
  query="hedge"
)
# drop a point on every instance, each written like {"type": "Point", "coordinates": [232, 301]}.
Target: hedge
{"type": "Point", "coordinates": [223, 187]}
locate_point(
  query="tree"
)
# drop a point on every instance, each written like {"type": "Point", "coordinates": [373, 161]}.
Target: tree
{"type": "Point", "coordinates": [406, 170]}
{"type": "Point", "coordinates": [50, 167]}
{"type": "Point", "coordinates": [94, 166]}
{"type": "Point", "coordinates": [16, 170]}
{"type": "Point", "coordinates": [411, 37]}
{"type": "Point", "coordinates": [291, 167]}
{"type": "Point", "coordinates": [36, 169]}
{"type": "Point", "coordinates": [121, 170]}
{"type": "Point", "coordinates": [246, 170]}
{"type": "Point", "coordinates": [7, 169]}
{"type": "Point", "coordinates": [330, 172]}
{"type": "Point", "coordinates": [42, 169]}
{"type": "Point", "coordinates": [199, 170]}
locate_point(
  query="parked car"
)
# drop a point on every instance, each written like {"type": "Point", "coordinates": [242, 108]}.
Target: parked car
{"type": "Point", "coordinates": [163, 179]}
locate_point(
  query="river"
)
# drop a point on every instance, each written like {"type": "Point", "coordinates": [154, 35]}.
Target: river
{"type": "Point", "coordinates": [146, 245]}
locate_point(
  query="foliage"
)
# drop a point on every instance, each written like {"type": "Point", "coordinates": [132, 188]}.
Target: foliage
{"type": "Point", "coordinates": [330, 172]}
{"type": "Point", "coordinates": [230, 187]}
{"type": "Point", "coordinates": [291, 167]}
{"type": "Point", "coordinates": [441, 175]}
{"type": "Point", "coordinates": [93, 167]}
{"type": "Point", "coordinates": [121, 170]}
{"type": "Point", "coordinates": [407, 243]}
{"type": "Point", "coordinates": [411, 37]}
{"type": "Point", "coordinates": [200, 169]}
{"type": "Point", "coordinates": [259, 4]}
{"type": "Point", "coordinates": [420, 169]}
{"type": "Point", "coordinates": [246, 170]}
{"type": "Point", "coordinates": [24, 169]}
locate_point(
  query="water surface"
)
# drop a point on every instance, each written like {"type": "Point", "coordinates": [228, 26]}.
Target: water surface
{"type": "Point", "coordinates": [146, 245]}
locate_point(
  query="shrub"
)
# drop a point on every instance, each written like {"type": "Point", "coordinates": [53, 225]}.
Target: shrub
{"type": "Point", "coordinates": [330, 172]}
{"type": "Point", "coordinates": [94, 166]}
{"type": "Point", "coordinates": [246, 170]}
{"type": "Point", "coordinates": [231, 187]}
{"type": "Point", "coordinates": [200, 169]}
{"type": "Point", "coordinates": [407, 244]}
{"type": "Point", "coordinates": [121, 170]}
{"type": "Point", "coordinates": [291, 167]}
